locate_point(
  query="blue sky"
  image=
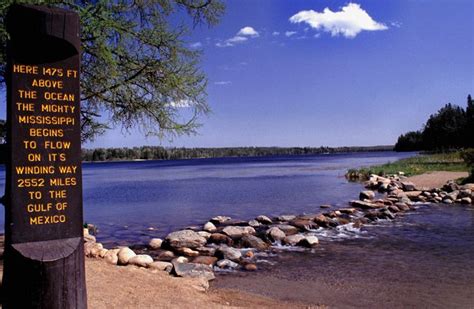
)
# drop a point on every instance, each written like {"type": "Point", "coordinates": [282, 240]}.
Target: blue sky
{"type": "Point", "coordinates": [358, 73]}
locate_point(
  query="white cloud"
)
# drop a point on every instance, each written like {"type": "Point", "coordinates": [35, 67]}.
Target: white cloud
{"type": "Point", "coordinates": [223, 83]}
{"type": "Point", "coordinates": [290, 33]}
{"type": "Point", "coordinates": [349, 22]}
{"type": "Point", "coordinates": [276, 33]}
{"type": "Point", "coordinates": [242, 35]}
{"type": "Point", "coordinates": [248, 31]}
{"type": "Point", "coordinates": [196, 45]}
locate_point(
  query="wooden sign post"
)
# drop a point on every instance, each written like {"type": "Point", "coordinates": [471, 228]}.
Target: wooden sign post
{"type": "Point", "coordinates": [44, 255]}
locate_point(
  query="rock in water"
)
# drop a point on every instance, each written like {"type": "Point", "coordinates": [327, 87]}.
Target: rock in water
{"type": "Point", "coordinates": [309, 241]}
{"type": "Point", "coordinates": [236, 232]}
{"type": "Point", "coordinates": [275, 234]}
{"type": "Point", "coordinates": [363, 205]}
{"type": "Point", "coordinates": [367, 195]}
{"type": "Point", "coordinates": [250, 267]}
{"type": "Point", "coordinates": [124, 255]}
{"type": "Point", "coordinates": [288, 229]}
{"type": "Point", "coordinates": [209, 227]}
{"type": "Point", "coordinates": [304, 224]}
{"type": "Point", "coordinates": [264, 219]}
{"type": "Point", "coordinates": [293, 240]}
{"type": "Point", "coordinates": [285, 218]}
{"type": "Point", "coordinates": [155, 243]}
{"type": "Point", "coordinates": [185, 238]}
{"type": "Point", "coordinates": [322, 220]}
{"type": "Point", "coordinates": [225, 263]}
{"type": "Point", "coordinates": [251, 241]}
{"type": "Point", "coordinates": [193, 270]}
{"type": "Point", "coordinates": [228, 253]}
{"type": "Point", "coordinates": [254, 223]}
{"type": "Point", "coordinates": [218, 238]}
{"type": "Point", "coordinates": [220, 219]}
{"type": "Point", "coordinates": [141, 260]}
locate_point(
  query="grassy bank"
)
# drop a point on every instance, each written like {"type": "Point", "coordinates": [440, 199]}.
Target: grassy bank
{"type": "Point", "coordinates": [419, 164]}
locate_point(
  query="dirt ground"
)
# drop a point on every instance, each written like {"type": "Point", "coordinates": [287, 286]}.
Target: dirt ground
{"type": "Point", "coordinates": [435, 179]}
{"type": "Point", "coordinates": [111, 286]}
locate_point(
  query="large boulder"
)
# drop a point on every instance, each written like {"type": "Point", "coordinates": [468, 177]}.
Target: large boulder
{"type": "Point", "coordinates": [367, 195]}
{"type": "Point", "coordinates": [193, 270]}
{"type": "Point", "coordinates": [293, 240]}
{"type": "Point", "coordinates": [124, 255]}
{"type": "Point", "coordinates": [408, 186]}
{"type": "Point", "coordinates": [218, 238]}
{"type": "Point", "coordinates": [304, 224]}
{"type": "Point", "coordinates": [209, 227]}
{"type": "Point", "coordinates": [309, 241]}
{"type": "Point", "coordinates": [275, 234]}
{"type": "Point", "coordinates": [251, 241]}
{"type": "Point", "coordinates": [236, 232]}
{"type": "Point", "coordinates": [229, 253]}
{"type": "Point", "coordinates": [111, 256]}
{"type": "Point", "coordinates": [264, 219]}
{"type": "Point", "coordinates": [185, 238]}
{"type": "Point", "coordinates": [161, 266]}
{"type": "Point", "coordinates": [155, 243]}
{"type": "Point", "coordinates": [322, 220]}
{"type": "Point", "coordinates": [141, 260]}
{"type": "Point", "coordinates": [288, 229]}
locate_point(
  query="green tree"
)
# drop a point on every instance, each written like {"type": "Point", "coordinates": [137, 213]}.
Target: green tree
{"type": "Point", "coordinates": [469, 130]}
{"type": "Point", "coordinates": [443, 130]}
{"type": "Point", "coordinates": [137, 70]}
{"type": "Point", "coordinates": [411, 141]}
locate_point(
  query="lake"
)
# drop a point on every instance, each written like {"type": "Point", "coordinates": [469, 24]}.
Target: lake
{"type": "Point", "coordinates": [132, 201]}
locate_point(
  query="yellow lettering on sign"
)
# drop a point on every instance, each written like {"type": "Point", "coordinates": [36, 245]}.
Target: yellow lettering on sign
{"type": "Point", "coordinates": [58, 96]}
{"type": "Point", "coordinates": [27, 94]}
{"type": "Point", "coordinates": [51, 120]}
{"type": "Point", "coordinates": [53, 72]}
{"type": "Point", "coordinates": [25, 69]}
{"type": "Point", "coordinates": [54, 219]}
{"type": "Point", "coordinates": [57, 145]}
{"type": "Point", "coordinates": [55, 108]}
{"type": "Point", "coordinates": [39, 207]}
{"type": "Point", "coordinates": [25, 107]}
{"type": "Point", "coordinates": [63, 182]}
{"type": "Point", "coordinates": [67, 169]}
{"type": "Point", "coordinates": [34, 170]}
{"type": "Point", "coordinates": [44, 132]}
{"type": "Point", "coordinates": [46, 83]}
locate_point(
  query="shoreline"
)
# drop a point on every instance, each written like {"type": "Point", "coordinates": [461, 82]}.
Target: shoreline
{"type": "Point", "coordinates": [153, 287]}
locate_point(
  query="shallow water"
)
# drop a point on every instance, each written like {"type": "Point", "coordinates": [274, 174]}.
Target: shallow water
{"type": "Point", "coordinates": [423, 259]}
{"type": "Point", "coordinates": [133, 201]}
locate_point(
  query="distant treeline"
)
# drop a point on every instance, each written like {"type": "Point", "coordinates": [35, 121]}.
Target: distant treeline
{"type": "Point", "coordinates": [452, 127]}
{"type": "Point", "coordinates": [162, 153]}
